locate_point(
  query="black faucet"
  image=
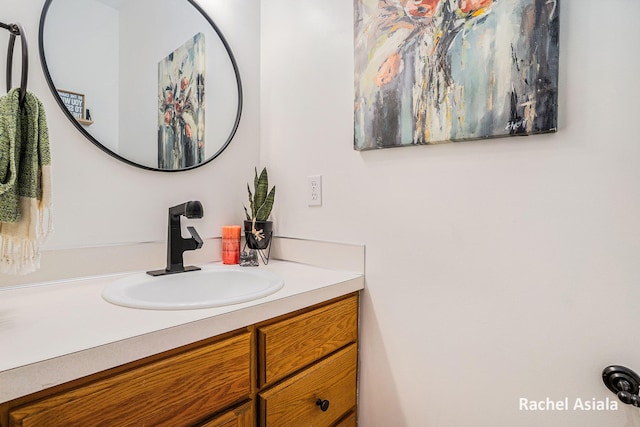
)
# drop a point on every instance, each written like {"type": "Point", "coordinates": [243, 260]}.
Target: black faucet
{"type": "Point", "coordinates": [176, 244]}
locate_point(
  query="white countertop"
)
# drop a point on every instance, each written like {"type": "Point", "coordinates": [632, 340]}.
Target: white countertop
{"type": "Point", "coordinates": [56, 332]}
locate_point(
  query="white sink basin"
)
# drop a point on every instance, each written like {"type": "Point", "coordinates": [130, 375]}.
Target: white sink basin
{"type": "Point", "coordinates": [213, 286]}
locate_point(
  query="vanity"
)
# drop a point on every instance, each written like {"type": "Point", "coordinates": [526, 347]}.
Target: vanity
{"type": "Point", "coordinates": [290, 358]}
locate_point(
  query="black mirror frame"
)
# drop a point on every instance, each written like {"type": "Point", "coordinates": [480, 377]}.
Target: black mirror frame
{"type": "Point", "coordinates": [97, 143]}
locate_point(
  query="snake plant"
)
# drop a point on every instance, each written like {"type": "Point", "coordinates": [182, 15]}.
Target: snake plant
{"type": "Point", "coordinates": [260, 202]}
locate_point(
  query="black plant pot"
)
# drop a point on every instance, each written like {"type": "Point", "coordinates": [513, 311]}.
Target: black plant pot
{"type": "Point", "coordinates": [267, 231]}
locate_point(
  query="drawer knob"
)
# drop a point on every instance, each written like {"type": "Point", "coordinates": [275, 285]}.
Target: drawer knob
{"type": "Point", "coordinates": [323, 404]}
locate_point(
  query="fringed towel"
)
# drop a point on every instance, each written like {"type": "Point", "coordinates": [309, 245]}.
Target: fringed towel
{"type": "Point", "coordinates": [25, 183]}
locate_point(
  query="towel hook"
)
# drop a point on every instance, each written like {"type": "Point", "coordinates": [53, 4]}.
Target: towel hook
{"type": "Point", "coordinates": [16, 30]}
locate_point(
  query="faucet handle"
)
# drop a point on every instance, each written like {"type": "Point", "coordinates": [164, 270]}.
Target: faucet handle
{"type": "Point", "coordinates": [195, 236]}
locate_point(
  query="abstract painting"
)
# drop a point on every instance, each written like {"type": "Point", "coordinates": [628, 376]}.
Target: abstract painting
{"type": "Point", "coordinates": [435, 71]}
{"type": "Point", "coordinates": [181, 106]}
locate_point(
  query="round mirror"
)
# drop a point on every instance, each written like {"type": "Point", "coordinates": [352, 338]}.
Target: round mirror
{"type": "Point", "coordinates": [151, 82]}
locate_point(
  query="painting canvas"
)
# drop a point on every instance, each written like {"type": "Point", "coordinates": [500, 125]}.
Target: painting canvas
{"type": "Point", "coordinates": [434, 71]}
{"type": "Point", "coordinates": [181, 106]}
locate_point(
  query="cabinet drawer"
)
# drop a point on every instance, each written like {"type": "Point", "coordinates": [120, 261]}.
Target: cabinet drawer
{"type": "Point", "coordinates": [348, 421]}
{"type": "Point", "coordinates": [290, 345]}
{"type": "Point", "coordinates": [293, 401]}
{"type": "Point", "coordinates": [176, 391]}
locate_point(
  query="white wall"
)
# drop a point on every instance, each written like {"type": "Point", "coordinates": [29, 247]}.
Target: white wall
{"type": "Point", "coordinates": [99, 200]}
{"type": "Point", "coordinates": [495, 270]}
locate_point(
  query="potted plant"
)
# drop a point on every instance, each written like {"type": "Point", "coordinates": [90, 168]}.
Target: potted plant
{"type": "Point", "coordinates": [257, 228]}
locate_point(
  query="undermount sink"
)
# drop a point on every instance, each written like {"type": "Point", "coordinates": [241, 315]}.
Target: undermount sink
{"type": "Point", "coordinates": [213, 286]}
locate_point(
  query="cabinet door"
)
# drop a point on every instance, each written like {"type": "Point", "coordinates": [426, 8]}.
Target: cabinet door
{"type": "Point", "coordinates": [296, 400]}
{"type": "Point", "coordinates": [242, 416]}
{"type": "Point", "coordinates": [289, 345]}
{"type": "Point", "coordinates": [176, 391]}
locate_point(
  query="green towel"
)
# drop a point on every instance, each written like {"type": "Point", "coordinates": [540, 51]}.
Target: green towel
{"type": "Point", "coordinates": [25, 183]}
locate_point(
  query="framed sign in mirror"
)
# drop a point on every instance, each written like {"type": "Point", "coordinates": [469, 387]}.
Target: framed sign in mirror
{"type": "Point", "coordinates": [75, 104]}
{"type": "Point", "coordinates": [158, 76]}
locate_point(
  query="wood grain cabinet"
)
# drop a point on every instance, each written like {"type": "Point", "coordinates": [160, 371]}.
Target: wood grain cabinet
{"type": "Point", "coordinates": [296, 370]}
{"type": "Point", "coordinates": [307, 366]}
{"type": "Point", "coordinates": [179, 390]}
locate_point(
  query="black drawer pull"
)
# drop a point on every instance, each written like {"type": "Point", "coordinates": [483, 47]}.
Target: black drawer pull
{"type": "Point", "coordinates": [323, 404]}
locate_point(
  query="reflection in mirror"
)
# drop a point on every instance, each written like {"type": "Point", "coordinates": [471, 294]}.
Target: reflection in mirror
{"type": "Point", "coordinates": [152, 82]}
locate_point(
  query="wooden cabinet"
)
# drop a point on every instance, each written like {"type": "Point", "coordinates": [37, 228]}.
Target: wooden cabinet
{"type": "Point", "coordinates": [307, 366]}
{"type": "Point", "coordinates": [176, 391]}
{"type": "Point", "coordinates": [297, 369]}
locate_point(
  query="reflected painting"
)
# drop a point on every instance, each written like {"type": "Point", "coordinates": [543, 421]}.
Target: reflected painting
{"type": "Point", "coordinates": [435, 71]}
{"type": "Point", "coordinates": [181, 106]}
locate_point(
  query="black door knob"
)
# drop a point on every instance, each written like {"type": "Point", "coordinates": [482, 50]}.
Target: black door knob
{"type": "Point", "coordinates": [323, 404]}
{"type": "Point", "coordinates": [623, 382]}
